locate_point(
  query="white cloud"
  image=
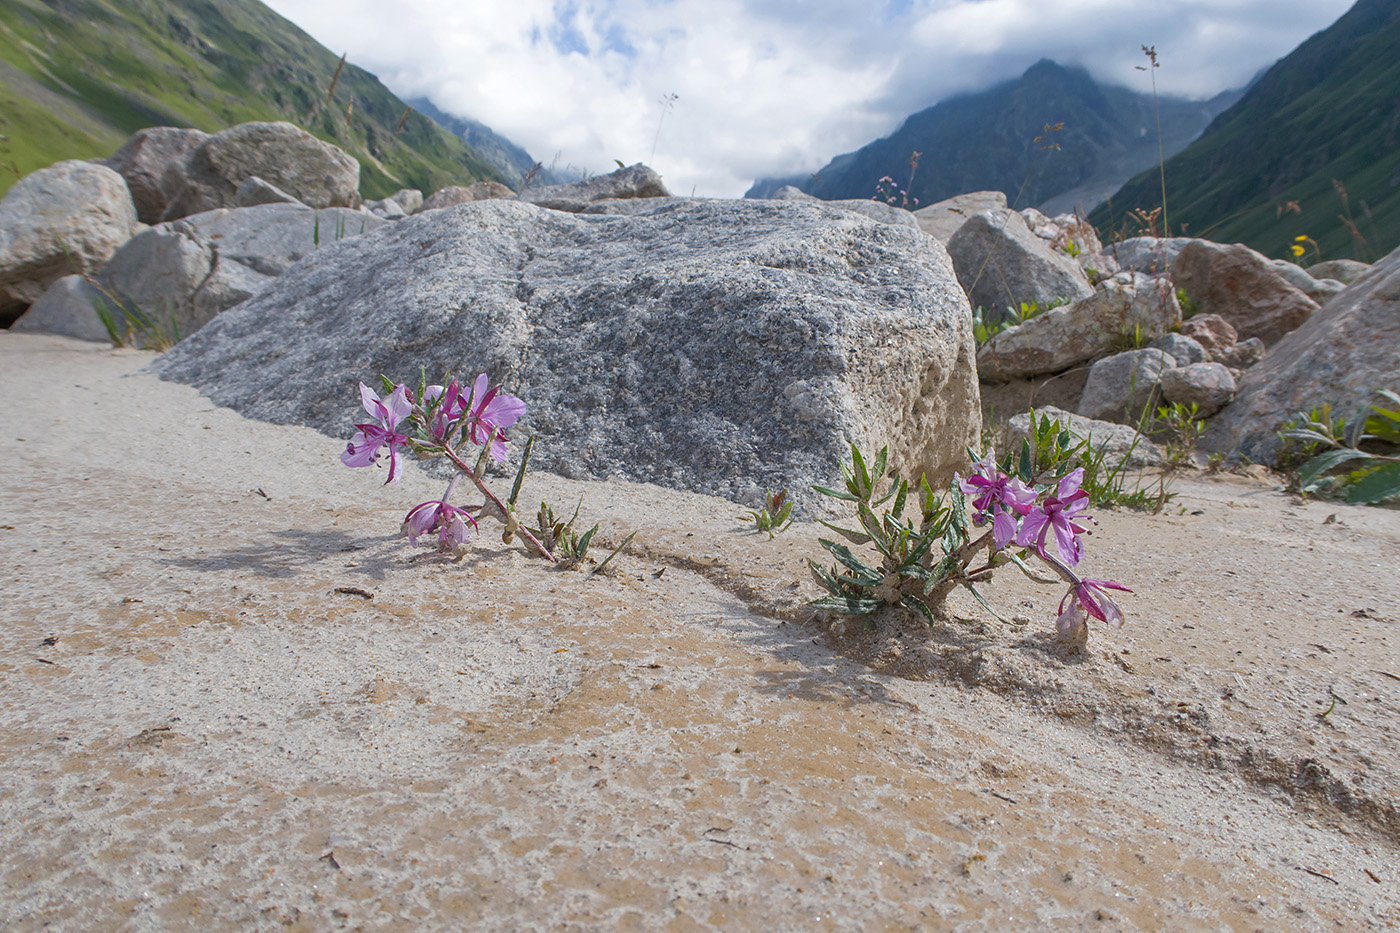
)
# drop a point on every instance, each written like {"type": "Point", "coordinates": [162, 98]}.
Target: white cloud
{"type": "Point", "coordinates": [770, 87]}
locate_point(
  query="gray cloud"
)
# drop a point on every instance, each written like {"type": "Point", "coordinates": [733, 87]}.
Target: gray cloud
{"type": "Point", "coordinates": [769, 87]}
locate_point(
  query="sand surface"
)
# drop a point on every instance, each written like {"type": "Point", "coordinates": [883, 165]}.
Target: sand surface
{"type": "Point", "coordinates": [201, 731]}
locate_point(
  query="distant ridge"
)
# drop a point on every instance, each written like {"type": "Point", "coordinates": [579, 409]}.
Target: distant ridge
{"type": "Point", "coordinates": [984, 141]}
{"type": "Point", "coordinates": [78, 76]}
{"type": "Point", "coordinates": [512, 161]}
{"type": "Point", "coordinates": [1328, 110]}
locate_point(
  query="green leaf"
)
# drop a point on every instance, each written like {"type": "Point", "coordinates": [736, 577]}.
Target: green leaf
{"type": "Point", "coordinates": [939, 573]}
{"type": "Point", "coordinates": [1327, 461]}
{"type": "Point", "coordinates": [520, 476]}
{"type": "Point", "coordinates": [1379, 484]}
{"type": "Point", "coordinates": [614, 553]}
{"type": "Point", "coordinates": [826, 578]}
{"type": "Point", "coordinates": [855, 537]}
{"type": "Point", "coordinates": [844, 555]}
{"type": "Point", "coordinates": [871, 524]}
{"type": "Point", "coordinates": [881, 461]}
{"type": "Point", "coordinates": [582, 549]}
{"type": "Point", "coordinates": [985, 605]}
{"type": "Point", "coordinates": [1025, 568]}
{"type": "Point", "coordinates": [1026, 469]}
{"type": "Point", "coordinates": [834, 494]}
{"type": "Point", "coordinates": [959, 517]}
{"type": "Point", "coordinates": [919, 606]}
{"type": "Point", "coordinates": [900, 498]}
{"type": "Point", "coordinates": [862, 475]}
{"type": "Point", "coordinates": [849, 605]}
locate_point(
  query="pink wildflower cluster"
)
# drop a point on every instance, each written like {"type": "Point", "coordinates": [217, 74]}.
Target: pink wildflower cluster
{"type": "Point", "coordinates": [1025, 517]}
{"type": "Point", "coordinates": [444, 421]}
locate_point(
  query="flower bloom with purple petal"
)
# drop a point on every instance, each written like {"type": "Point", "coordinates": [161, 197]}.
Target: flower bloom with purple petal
{"type": "Point", "coordinates": [491, 413]}
{"type": "Point", "coordinates": [1089, 597]}
{"type": "Point", "coordinates": [437, 516]}
{"type": "Point", "coordinates": [452, 407]}
{"type": "Point", "coordinates": [1003, 496]}
{"type": "Point", "coordinates": [363, 449]}
{"type": "Point", "coordinates": [1059, 512]}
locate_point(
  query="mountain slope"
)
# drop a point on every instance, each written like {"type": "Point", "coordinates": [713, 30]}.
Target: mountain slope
{"type": "Point", "coordinates": [513, 162]}
{"type": "Point", "coordinates": [1328, 110]}
{"type": "Point", "coordinates": [986, 141]}
{"type": "Point", "coordinates": [78, 76]}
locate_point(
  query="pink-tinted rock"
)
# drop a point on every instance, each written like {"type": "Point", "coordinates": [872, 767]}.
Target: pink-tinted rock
{"type": "Point", "coordinates": [1243, 287]}
{"type": "Point", "coordinates": [485, 190]}
{"type": "Point", "coordinates": [1211, 331]}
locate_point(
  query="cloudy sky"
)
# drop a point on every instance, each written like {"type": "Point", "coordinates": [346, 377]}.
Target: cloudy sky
{"type": "Point", "coordinates": [771, 87]}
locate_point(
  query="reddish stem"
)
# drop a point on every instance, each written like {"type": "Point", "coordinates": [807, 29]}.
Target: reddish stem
{"type": "Point", "coordinates": [524, 533]}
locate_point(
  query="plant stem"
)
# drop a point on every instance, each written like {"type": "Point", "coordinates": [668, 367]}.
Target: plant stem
{"type": "Point", "coordinates": [461, 465]}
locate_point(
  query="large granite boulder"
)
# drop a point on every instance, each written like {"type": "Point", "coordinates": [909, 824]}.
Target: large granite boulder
{"type": "Point", "coordinates": [634, 181]}
{"type": "Point", "coordinates": [1339, 357]}
{"type": "Point", "coordinates": [285, 156]}
{"type": "Point", "coordinates": [875, 210]}
{"type": "Point", "coordinates": [724, 347]}
{"type": "Point", "coordinates": [1117, 442]}
{"type": "Point", "coordinates": [1001, 263]}
{"type": "Point", "coordinates": [182, 273]}
{"type": "Point", "coordinates": [1345, 271]}
{"type": "Point", "coordinates": [1126, 307]}
{"type": "Point", "coordinates": [65, 219]}
{"type": "Point", "coordinates": [142, 161]}
{"type": "Point", "coordinates": [1122, 387]}
{"type": "Point", "coordinates": [942, 220]}
{"type": "Point", "coordinates": [68, 308]}
{"type": "Point", "coordinates": [453, 195]}
{"type": "Point", "coordinates": [1243, 287]}
{"type": "Point", "coordinates": [1149, 255]}
{"type": "Point", "coordinates": [1208, 386]}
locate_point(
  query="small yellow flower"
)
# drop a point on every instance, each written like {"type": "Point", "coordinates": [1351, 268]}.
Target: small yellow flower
{"type": "Point", "coordinates": [1300, 239]}
{"type": "Point", "coordinates": [1298, 250]}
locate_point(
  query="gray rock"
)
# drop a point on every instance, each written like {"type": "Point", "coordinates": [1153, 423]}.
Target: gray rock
{"type": "Point", "coordinates": [386, 209]}
{"type": "Point", "coordinates": [1241, 355]}
{"type": "Point", "coordinates": [1209, 386]}
{"type": "Point", "coordinates": [1001, 263]}
{"type": "Point", "coordinates": [1339, 357]}
{"type": "Point", "coordinates": [629, 206]}
{"type": "Point", "coordinates": [635, 181]}
{"type": "Point", "coordinates": [1118, 442]}
{"type": "Point", "coordinates": [1241, 286]}
{"type": "Point", "coordinates": [1319, 290]}
{"type": "Point", "coordinates": [1122, 386]}
{"type": "Point", "coordinates": [65, 219]}
{"type": "Point", "coordinates": [943, 219]}
{"type": "Point", "coordinates": [875, 210]}
{"type": "Point", "coordinates": [68, 308]}
{"type": "Point", "coordinates": [1185, 350]}
{"type": "Point", "coordinates": [142, 161]}
{"type": "Point", "coordinates": [716, 346]}
{"type": "Point", "coordinates": [453, 195]}
{"type": "Point", "coordinates": [410, 199]}
{"type": "Point", "coordinates": [286, 156]}
{"type": "Point", "coordinates": [792, 193]}
{"type": "Point", "coordinates": [183, 273]}
{"type": "Point", "coordinates": [1345, 271]}
{"type": "Point", "coordinates": [253, 191]}
{"type": "Point", "coordinates": [1146, 254]}
{"type": "Point", "coordinates": [1121, 309]}
{"type": "Point", "coordinates": [1215, 334]}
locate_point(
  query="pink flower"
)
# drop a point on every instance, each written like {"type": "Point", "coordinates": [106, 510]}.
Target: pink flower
{"type": "Point", "coordinates": [1058, 512]}
{"type": "Point", "coordinates": [1089, 596]}
{"type": "Point", "coordinates": [492, 412]}
{"type": "Point", "coordinates": [453, 406]}
{"type": "Point", "coordinates": [363, 449]}
{"type": "Point", "coordinates": [437, 516]}
{"type": "Point", "coordinates": [1003, 496]}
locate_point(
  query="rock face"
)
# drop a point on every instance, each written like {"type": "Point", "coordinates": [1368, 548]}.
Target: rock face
{"type": "Point", "coordinates": [1243, 287]}
{"type": "Point", "coordinates": [1340, 357]}
{"type": "Point", "coordinates": [142, 161]}
{"type": "Point", "coordinates": [1208, 386]}
{"type": "Point", "coordinates": [458, 194]}
{"type": "Point", "coordinates": [1345, 271]}
{"type": "Point", "coordinates": [1121, 386]}
{"type": "Point", "coordinates": [68, 308]}
{"type": "Point", "coordinates": [64, 219]}
{"type": "Point", "coordinates": [875, 210]}
{"type": "Point", "coordinates": [285, 156]}
{"type": "Point", "coordinates": [635, 181]}
{"type": "Point", "coordinates": [1211, 331]}
{"type": "Point", "coordinates": [1149, 255]}
{"type": "Point", "coordinates": [253, 191]}
{"type": "Point", "coordinates": [943, 219]}
{"type": "Point", "coordinates": [1119, 442]}
{"type": "Point", "coordinates": [183, 273]}
{"type": "Point", "coordinates": [1122, 307]}
{"type": "Point", "coordinates": [1184, 350]}
{"type": "Point", "coordinates": [1319, 289]}
{"type": "Point", "coordinates": [716, 346]}
{"type": "Point", "coordinates": [1001, 263]}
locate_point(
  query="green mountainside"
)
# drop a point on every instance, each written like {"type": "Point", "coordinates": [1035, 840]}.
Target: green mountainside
{"type": "Point", "coordinates": [79, 76]}
{"type": "Point", "coordinates": [1263, 173]}
{"type": "Point", "coordinates": [986, 141]}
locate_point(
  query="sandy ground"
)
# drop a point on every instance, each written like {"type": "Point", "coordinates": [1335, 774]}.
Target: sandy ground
{"type": "Point", "coordinates": [201, 730]}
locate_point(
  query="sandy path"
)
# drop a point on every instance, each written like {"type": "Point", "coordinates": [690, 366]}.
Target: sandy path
{"type": "Point", "coordinates": [200, 732]}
